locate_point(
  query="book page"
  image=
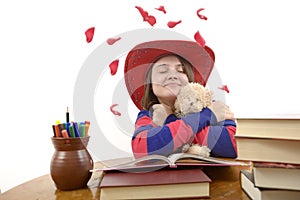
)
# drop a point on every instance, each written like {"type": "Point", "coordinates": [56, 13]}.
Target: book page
{"type": "Point", "coordinates": [151, 161]}
{"type": "Point", "coordinates": [177, 157]}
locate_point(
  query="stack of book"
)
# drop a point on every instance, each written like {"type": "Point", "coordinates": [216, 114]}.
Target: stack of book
{"type": "Point", "coordinates": [158, 177]}
{"type": "Point", "coordinates": [273, 147]}
{"type": "Point", "coordinates": [158, 184]}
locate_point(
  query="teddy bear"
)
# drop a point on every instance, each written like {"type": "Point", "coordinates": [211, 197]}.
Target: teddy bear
{"type": "Point", "coordinates": [192, 98]}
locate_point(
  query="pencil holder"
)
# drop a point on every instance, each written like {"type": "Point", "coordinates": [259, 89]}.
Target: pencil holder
{"type": "Point", "coordinates": [71, 163]}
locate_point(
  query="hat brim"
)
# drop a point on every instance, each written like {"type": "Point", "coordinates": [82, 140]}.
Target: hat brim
{"type": "Point", "coordinates": [141, 57]}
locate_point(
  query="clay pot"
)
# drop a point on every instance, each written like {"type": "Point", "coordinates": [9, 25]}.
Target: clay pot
{"type": "Point", "coordinates": [71, 163]}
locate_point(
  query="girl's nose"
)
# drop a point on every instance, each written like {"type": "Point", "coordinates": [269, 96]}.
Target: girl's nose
{"type": "Point", "coordinates": [172, 75]}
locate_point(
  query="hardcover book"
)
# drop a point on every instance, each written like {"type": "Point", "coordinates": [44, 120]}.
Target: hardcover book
{"type": "Point", "coordinates": [281, 128]}
{"type": "Point", "coordinates": [257, 193]}
{"type": "Point", "coordinates": [276, 175]}
{"type": "Point", "coordinates": [268, 149]}
{"type": "Point", "coordinates": [160, 184]}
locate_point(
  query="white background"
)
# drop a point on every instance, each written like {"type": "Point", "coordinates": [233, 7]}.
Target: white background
{"type": "Point", "coordinates": [43, 47]}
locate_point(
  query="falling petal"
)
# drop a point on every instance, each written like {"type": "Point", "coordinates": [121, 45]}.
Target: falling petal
{"type": "Point", "coordinates": [89, 34]}
{"type": "Point", "coordinates": [172, 24]}
{"type": "Point", "coordinates": [199, 15]}
{"type": "Point", "coordinates": [111, 41]}
{"type": "Point", "coordinates": [142, 12]}
{"type": "Point", "coordinates": [162, 8]}
{"type": "Point", "coordinates": [225, 88]}
{"type": "Point", "coordinates": [114, 67]}
{"type": "Point", "coordinates": [114, 111]}
{"type": "Point", "coordinates": [199, 39]}
{"type": "Point", "coordinates": [151, 20]}
{"type": "Point", "coordinates": [146, 17]}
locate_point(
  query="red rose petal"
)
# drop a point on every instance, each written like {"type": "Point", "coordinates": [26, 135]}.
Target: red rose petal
{"type": "Point", "coordinates": [172, 24]}
{"type": "Point", "coordinates": [162, 8]}
{"type": "Point", "coordinates": [114, 67]}
{"type": "Point", "coordinates": [142, 12]}
{"type": "Point", "coordinates": [225, 88]}
{"type": "Point", "coordinates": [89, 34]}
{"type": "Point", "coordinates": [114, 111]}
{"type": "Point", "coordinates": [199, 39]}
{"type": "Point", "coordinates": [146, 17]}
{"type": "Point", "coordinates": [199, 15]}
{"type": "Point", "coordinates": [151, 20]}
{"type": "Point", "coordinates": [111, 41]}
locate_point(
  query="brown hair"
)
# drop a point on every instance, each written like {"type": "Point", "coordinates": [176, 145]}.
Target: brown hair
{"type": "Point", "coordinates": [149, 98]}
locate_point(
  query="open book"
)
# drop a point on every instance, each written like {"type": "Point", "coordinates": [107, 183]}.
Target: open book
{"type": "Point", "coordinates": [173, 160]}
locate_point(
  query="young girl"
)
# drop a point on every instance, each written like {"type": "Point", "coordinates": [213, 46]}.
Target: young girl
{"type": "Point", "coordinates": [155, 72]}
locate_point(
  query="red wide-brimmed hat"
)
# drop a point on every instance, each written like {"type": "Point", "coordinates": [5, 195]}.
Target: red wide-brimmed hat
{"type": "Point", "coordinates": [140, 58]}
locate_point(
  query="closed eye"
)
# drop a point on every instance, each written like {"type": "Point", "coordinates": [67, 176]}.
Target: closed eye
{"type": "Point", "coordinates": [162, 68]}
{"type": "Point", "coordinates": [180, 68]}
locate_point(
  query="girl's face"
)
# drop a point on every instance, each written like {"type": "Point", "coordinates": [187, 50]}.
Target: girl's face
{"type": "Point", "coordinates": [168, 77]}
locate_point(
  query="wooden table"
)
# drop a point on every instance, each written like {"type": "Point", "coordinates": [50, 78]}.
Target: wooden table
{"type": "Point", "coordinates": [225, 185]}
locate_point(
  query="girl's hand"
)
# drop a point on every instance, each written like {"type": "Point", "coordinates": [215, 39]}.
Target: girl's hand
{"type": "Point", "coordinates": [160, 113]}
{"type": "Point", "coordinates": [221, 111]}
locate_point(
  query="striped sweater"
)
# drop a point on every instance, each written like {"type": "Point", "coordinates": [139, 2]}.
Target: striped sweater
{"type": "Point", "coordinates": [201, 128]}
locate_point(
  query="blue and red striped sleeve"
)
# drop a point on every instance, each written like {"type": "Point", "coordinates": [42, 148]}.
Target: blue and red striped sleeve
{"type": "Point", "coordinates": [220, 138]}
{"type": "Point", "coordinates": [151, 139]}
